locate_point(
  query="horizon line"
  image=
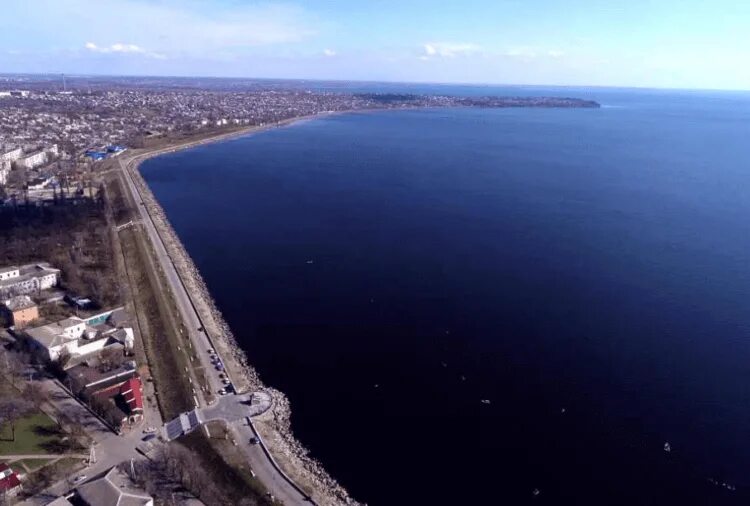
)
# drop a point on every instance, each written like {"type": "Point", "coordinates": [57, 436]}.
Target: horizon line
{"type": "Point", "coordinates": [382, 81]}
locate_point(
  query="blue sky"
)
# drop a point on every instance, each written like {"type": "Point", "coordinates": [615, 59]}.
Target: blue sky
{"type": "Point", "coordinates": [668, 43]}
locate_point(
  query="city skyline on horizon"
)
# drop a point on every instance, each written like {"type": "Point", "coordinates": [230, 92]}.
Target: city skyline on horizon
{"type": "Point", "coordinates": [672, 45]}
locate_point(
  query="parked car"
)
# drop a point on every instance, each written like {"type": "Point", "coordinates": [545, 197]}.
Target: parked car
{"type": "Point", "coordinates": [254, 441]}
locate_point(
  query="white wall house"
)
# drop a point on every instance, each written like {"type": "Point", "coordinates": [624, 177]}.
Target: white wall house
{"type": "Point", "coordinates": [27, 279]}
{"type": "Point", "coordinates": [77, 336]}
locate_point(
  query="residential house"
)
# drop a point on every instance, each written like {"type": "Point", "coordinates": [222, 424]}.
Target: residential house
{"type": "Point", "coordinates": [21, 310]}
{"type": "Point", "coordinates": [127, 402]}
{"type": "Point", "coordinates": [113, 489]}
{"type": "Point", "coordinates": [10, 485]}
{"type": "Point", "coordinates": [77, 336]}
{"type": "Point", "coordinates": [27, 279]}
{"type": "Point", "coordinates": [86, 380]}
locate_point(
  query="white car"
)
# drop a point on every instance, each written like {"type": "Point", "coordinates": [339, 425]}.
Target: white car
{"type": "Point", "coordinates": [79, 479]}
{"type": "Point", "coordinates": [149, 430]}
{"type": "Point", "coordinates": [223, 391]}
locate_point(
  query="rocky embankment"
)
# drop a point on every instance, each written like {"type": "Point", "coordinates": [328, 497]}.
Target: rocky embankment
{"type": "Point", "coordinates": [275, 424]}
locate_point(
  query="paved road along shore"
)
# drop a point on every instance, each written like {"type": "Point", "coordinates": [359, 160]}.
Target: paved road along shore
{"type": "Point", "coordinates": [266, 470]}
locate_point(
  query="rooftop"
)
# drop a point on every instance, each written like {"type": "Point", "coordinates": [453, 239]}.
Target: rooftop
{"type": "Point", "coordinates": [46, 336]}
{"type": "Point", "coordinates": [27, 272]}
{"type": "Point", "coordinates": [19, 302]}
{"type": "Point", "coordinates": [8, 478]}
{"type": "Point", "coordinates": [88, 375]}
{"type": "Point", "coordinates": [60, 501]}
{"type": "Point", "coordinates": [113, 489]}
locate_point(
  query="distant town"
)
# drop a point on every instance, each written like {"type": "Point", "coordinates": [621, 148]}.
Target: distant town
{"type": "Point", "coordinates": [52, 129]}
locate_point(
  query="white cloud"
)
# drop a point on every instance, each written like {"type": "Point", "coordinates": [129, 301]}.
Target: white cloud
{"type": "Point", "coordinates": [329, 52]}
{"type": "Point", "coordinates": [174, 28]}
{"type": "Point", "coordinates": [447, 50]}
{"type": "Point", "coordinates": [119, 47]}
{"type": "Point", "coordinates": [523, 52]}
{"type": "Point", "coordinates": [555, 53]}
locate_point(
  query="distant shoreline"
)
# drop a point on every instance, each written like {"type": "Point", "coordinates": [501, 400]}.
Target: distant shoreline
{"type": "Point", "coordinates": [147, 153]}
{"type": "Point", "coordinates": [327, 490]}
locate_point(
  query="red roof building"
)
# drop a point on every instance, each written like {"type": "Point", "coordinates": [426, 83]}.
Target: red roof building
{"type": "Point", "coordinates": [9, 482]}
{"type": "Point", "coordinates": [132, 393]}
{"type": "Point", "coordinates": [127, 398]}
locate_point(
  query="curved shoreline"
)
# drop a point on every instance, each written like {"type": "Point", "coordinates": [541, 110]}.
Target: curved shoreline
{"type": "Point", "coordinates": [274, 425]}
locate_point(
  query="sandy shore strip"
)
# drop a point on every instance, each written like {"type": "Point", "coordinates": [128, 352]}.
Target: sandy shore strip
{"type": "Point", "coordinates": [275, 424]}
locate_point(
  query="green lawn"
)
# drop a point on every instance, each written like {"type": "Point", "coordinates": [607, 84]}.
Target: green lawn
{"type": "Point", "coordinates": [35, 434]}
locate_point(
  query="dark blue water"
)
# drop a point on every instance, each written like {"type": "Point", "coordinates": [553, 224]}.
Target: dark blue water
{"type": "Point", "coordinates": [585, 271]}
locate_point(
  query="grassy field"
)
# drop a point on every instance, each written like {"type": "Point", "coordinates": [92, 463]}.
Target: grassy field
{"type": "Point", "coordinates": [158, 324]}
{"type": "Point", "coordinates": [35, 434]}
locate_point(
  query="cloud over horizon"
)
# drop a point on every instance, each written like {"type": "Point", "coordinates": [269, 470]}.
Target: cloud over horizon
{"type": "Point", "coordinates": [119, 47]}
{"type": "Point", "coordinates": [433, 50]}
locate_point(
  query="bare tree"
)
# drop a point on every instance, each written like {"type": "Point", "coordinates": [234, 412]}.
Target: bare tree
{"type": "Point", "coordinates": [12, 410]}
{"type": "Point", "coordinates": [11, 365]}
{"type": "Point", "coordinates": [35, 393]}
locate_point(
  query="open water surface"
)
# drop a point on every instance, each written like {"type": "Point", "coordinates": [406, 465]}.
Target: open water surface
{"type": "Point", "coordinates": [586, 272]}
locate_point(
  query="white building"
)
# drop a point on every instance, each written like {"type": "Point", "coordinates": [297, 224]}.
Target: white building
{"type": "Point", "coordinates": [33, 160]}
{"type": "Point", "coordinates": [4, 172]}
{"type": "Point", "coordinates": [31, 278]}
{"type": "Point", "coordinates": [11, 155]}
{"type": "Point", "coordinates": [78, 336]}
